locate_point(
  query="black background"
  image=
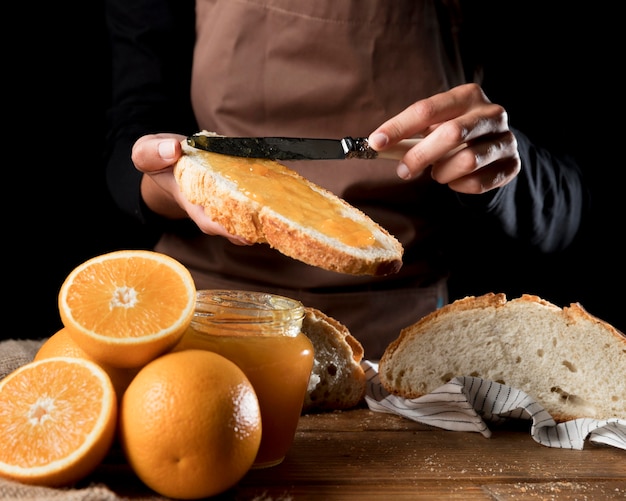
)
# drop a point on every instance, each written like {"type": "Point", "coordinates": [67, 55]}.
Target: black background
{"type": "Point", "coordinates": [57, 212]}
{"type": "Point", "coordinates": [562, 63]}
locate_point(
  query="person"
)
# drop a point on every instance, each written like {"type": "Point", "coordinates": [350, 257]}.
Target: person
{"type": "Point", "coordinates": [383, 70]}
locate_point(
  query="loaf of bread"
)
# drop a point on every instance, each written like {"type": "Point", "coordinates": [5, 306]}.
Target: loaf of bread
{"type": "Point", "coordinates": [569, 361]}
{"type": "Point", "coordinates": [264, 201]}
{"type": "Point", "coordinates": [337, 379]}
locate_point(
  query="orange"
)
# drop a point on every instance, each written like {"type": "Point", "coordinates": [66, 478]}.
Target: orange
{"type": "Point", "coordinates": [57, 421]}
{"type": "Point", "coordinates": [190, 424]}
{"type": "Point", "coordinates": [61, 344]}
{"type": "Point", "coordinates": [125, 308]}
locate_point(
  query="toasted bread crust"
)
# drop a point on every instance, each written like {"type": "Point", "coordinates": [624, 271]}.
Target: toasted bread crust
{"type": "Point", "coordinates": [337, 380]}
{"type": "Point", "coordinates": [220, 200]}
{"type": "Point", "coordinates": [565, 358]}
{"type": "Point", "coordinates": [243, 216]}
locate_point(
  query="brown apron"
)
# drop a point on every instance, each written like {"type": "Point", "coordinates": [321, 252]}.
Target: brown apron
{"type": "Point", "coordinates": [324, 68]}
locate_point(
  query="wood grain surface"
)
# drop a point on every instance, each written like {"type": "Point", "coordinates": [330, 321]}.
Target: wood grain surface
{"type": "Point", "coordinates": [365, 455]}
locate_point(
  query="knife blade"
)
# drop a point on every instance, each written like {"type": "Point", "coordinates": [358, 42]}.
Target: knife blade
{"type": "Point", "coordinates": [294, 148]}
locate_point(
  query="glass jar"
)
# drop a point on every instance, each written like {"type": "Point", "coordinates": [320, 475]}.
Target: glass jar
{"type": "Point", "coordinates": [260, 332]}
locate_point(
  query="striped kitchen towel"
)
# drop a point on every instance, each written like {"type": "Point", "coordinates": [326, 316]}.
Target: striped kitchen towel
{"type": "Point", "coordinates": [467, 403]}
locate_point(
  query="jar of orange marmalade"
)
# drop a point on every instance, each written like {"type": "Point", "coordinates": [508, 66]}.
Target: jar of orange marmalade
{"type": "Point", "coordinates": [261, 333]}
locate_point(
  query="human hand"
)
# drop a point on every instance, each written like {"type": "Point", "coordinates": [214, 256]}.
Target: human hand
{"type": "Point", "coordinates": [467, 140]}
{"type": "Point", "coordinates": [155, 155]}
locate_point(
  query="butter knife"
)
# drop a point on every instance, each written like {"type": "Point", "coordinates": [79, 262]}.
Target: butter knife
{"type": "Point", "coordinates": [294, 148]}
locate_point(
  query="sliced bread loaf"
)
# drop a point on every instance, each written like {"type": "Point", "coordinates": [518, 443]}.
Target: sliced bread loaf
{"type": "Point", "coordinates": [266, 202]}
{"type": "Point", "coordinates": [337, 379]}
{"type": "Point", "coordinates": [571, 362]}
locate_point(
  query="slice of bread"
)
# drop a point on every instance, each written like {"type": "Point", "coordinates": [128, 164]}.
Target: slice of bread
{"type": "Point", "coordinates": [266, 202]}
{"type": "Point", "coordinates": [569, 361]}
{"type": "Point", "coordinates": [337, 379]}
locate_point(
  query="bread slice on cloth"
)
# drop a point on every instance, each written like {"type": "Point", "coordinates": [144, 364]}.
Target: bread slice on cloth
{"type": "Point", "coordinates": [266, 202]}
{"type": "Point", "coordinates": [569, 361]}
{"type": "Point", "coordinates": [337, 379]}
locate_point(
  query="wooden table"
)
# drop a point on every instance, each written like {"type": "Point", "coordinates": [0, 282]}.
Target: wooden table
{"type": "Point", "coordinates": [360, 454]}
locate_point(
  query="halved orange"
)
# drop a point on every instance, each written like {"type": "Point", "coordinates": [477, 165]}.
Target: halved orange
{"type": "Point", "coordinates": [61, 344]}
{"type": "Point", "coordinates": [57, 421]}
{"type": "Point", "coordinates": [127, 307]}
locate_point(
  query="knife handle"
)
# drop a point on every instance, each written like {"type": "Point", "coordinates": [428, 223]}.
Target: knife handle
{"type": "Point", "coordinates": [398, 150]}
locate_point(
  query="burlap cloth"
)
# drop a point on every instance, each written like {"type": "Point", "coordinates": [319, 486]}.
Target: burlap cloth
{"type": "Point", "coordinates": [15, 353]}
{"type": "Point", "coordinates": [96, 487]}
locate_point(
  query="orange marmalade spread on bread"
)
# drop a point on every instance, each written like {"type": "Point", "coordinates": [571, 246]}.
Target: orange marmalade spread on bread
{"type": "Point", "coordinates": [279, 188]}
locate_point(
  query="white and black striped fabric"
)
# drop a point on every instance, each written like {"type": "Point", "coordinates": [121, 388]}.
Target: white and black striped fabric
{"type": "Point", "coordinates": [468, 403]}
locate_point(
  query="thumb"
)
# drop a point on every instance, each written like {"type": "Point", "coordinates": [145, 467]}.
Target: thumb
{"type": "Point", "coordinates": [168, 150]}
{"type": "Point", "coordinates": [154, 152]}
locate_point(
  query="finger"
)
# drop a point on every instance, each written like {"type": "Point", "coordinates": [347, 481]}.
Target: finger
{"type": "Point", "coordinates": [155, 152]}
{"type": "Point", "coordinates": [169, 150]}
{"type": "Point", "coordinates": [488, 178]}
{"type": "Point", "coordinates": [210, 227]}
{"type": "Point", "coordinates": [424, 114]}
{"type": "Point", "coordinates": [475, 156]}
{"type": "Point", "coordinates": [450, 137]}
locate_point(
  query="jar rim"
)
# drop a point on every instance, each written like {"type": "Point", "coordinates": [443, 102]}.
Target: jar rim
{"type": "Point", "coordinates": [244, 306]}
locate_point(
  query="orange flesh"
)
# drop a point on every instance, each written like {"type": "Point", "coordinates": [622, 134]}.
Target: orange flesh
{"type": "Point", "coordinates": [48, 419]}
{"type": "Point", "coordinates": [273, 185]}
{"type": "Point", "coordinates": [124, 307]}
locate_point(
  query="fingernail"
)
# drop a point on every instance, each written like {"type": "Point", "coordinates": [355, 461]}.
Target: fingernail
{"type": "Point", "coordinates": [403, 171]}
{"type": "Point", "coordinates": [378, 140]}
{"type": "Point", "coordinates": [166, 150]}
